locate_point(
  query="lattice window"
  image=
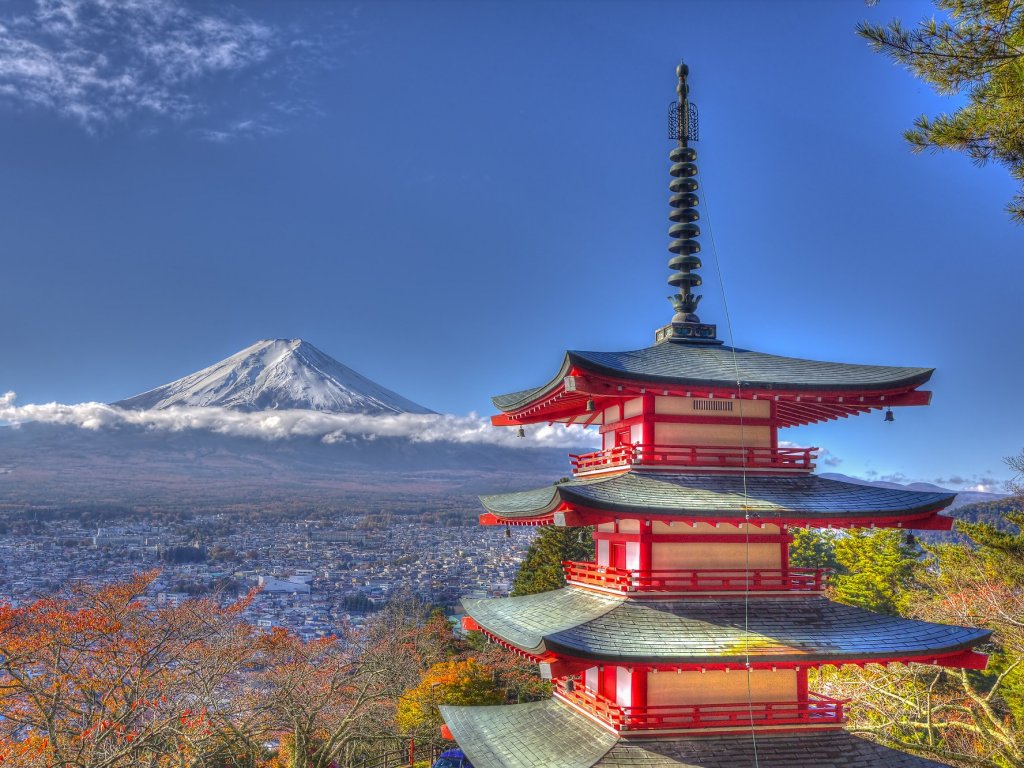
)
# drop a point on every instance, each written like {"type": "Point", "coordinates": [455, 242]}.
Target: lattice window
{"type": "Point", "coordinates": [712, 405]}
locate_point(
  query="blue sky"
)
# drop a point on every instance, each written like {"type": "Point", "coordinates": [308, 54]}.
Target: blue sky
{"type": "Point", "coordinates": [445, 196]}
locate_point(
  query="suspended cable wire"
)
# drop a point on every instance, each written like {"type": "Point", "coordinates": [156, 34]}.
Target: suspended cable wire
{"type": "Point", "coordinates": [743, 470]}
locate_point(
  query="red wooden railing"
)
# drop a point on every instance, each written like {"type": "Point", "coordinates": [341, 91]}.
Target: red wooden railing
{"type": "Point", "coordinates": [716, 457]}
{"type": "Point", "coordinates": [697, 580]}
{"type": "Point", "coordinates": [816, 710]}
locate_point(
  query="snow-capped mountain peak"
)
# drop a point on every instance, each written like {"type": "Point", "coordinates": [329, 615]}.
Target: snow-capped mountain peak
{"type": "Point", "coordinates": [275, 374]}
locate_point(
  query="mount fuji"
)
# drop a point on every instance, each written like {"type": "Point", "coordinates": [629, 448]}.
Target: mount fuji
{"type": "Point", "coordinates": [277, 374]}
{"type": "Point", "coordinates": [53, 464]}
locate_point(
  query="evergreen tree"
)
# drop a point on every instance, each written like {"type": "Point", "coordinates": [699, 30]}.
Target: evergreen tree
{"type": "Point", "coordinates": [812, 548]}
{"type": "Point", "coordinates": [877, 569]}
{"type": "Point", "coordinates": [541, 569]}
{"type": "Point", "coordinates": [977, 51]}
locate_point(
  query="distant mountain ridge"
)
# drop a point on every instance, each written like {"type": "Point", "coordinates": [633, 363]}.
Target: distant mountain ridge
{"type": "Point", "coordinates": [277, 374]}
{"type": "Point", "coordinates": [962, 497]}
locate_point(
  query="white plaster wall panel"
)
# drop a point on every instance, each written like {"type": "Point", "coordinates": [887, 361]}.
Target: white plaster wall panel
{"type": "Point", "coordinates": [686, 529]}
{"type": "Point", "coordinates": [720, 687]}
{"type": "Point", "coordinates": [632, 555]}
{"type": "Point", "coordinates": [602, 553]}
{"type": "Point", "coordinates": [672, 556]}
{"type": "Point", "coordinates": [623, 687]}
{"type": "Point", "coordinates": [590, 678]}
{"type": "Point", "coordinates": [712, 435]}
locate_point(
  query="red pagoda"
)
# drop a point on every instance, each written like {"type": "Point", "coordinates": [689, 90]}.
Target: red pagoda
{"type": "Point", "coordinates": [687, 641]}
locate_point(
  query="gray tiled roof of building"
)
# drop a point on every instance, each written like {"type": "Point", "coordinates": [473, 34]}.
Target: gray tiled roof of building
{"type": "Point", "coordinates": [774, 496]}
{"type": "Point", "coordinates": [552, 735]}
{"type": "Point", "coordinates": [711, 365]}
{"type": "Point", "coordinates": [541, 733]}
{"type": "Point", "coordinates": [585, 624]}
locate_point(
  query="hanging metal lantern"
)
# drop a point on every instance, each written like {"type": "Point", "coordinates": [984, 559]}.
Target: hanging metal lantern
{"type": "Point", "coordinates": [521, 432]}
{"type": "Point", "coordinates": [889, 415]}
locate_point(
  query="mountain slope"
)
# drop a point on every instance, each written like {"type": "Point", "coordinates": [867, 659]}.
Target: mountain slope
{"type": "Point", "coordinates": [276, 374]}
{"type": "Point", "coordinates": [47, 464]}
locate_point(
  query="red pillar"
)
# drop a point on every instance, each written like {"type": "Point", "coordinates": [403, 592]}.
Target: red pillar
{"type": "Point", "coordinates": [646, 539]}
{"type": "Point", "coordinates": [609, 680]}
{"type": "Point", "coordinates": [638, 688]}
{"type": "Point", "coordinates": [647, 425]}
{"type": "Point", "coordinates": [801, 685]}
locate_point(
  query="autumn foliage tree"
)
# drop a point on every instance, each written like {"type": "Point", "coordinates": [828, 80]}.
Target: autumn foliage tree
{"type": "Point", "coordinates": [97, 679]}
{"type": "Point", "coordinates": [460, 683]}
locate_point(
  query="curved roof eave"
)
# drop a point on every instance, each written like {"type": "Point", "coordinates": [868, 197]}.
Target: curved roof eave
{"type": "Point", "coordinates": [766, 497]}
{"type": "Point", "coordinates": [704, 366]}
{"type": "Point", "coordinates": [579, 624]}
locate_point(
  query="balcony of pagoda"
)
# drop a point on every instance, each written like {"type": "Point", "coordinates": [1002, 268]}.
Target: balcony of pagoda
{"type": "Point", "coordinates": [718, 581]}
{"type": "Point", "coordinates": [814, 712]}
{"type": "Point", "coordinates": [693, 458]}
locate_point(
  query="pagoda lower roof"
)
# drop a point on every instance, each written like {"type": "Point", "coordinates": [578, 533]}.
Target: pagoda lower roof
{"type": "Point", "coordinates": [721, 367]}
{"type": "Point", "coordinates": [554, 735]}
{"type": "Point", "coordinates": [768, 498]}
{"type": "Point", "coordinates": [583, 625]}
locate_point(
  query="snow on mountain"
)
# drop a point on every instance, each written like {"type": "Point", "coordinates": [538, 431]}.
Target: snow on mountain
{"type": "Point", "coordinates": [277, 374]}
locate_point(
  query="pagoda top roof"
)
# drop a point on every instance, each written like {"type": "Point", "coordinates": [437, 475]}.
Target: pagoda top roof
{"type": "Point", "coordinates": [553, 734]}
{"type": "Point", "coordinates": [702, 366]}
{"type": "Point", "coordinates": [580, 624]}
{"type": "Point", "coordinates": [806, 499]}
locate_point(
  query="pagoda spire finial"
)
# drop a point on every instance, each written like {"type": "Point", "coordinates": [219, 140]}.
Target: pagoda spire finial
{"type": "Point", "coordinates": [685, 325]}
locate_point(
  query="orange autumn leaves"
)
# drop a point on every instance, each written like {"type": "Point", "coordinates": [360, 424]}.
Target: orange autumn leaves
{"type": "Point", "coordinates": [458, 683]}
{"type": "Point", "coordinates": [98, 678]}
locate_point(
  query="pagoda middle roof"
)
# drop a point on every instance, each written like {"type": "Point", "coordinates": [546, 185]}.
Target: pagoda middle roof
{"type": "Point", "coordinates": [581, 624]}
{"type": "Point", "coordinates": [554, 735]}
{"type": "Point", "coordinates": [767, 497]}
{"type": "Point", "coordinates": [719, 366]}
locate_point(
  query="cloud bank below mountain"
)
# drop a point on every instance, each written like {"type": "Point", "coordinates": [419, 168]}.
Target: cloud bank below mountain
{"type": "Point", "coordinates": [287, 424]}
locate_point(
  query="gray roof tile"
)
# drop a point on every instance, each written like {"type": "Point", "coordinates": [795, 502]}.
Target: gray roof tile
{"type": "Point", "coordinates": [768, 497]}
{"type": "Point", "coordinates": [584, 624]}
{"type": "Point", "coordinates": [550, 734]}
{"type": "Point", "coordinates": [712, 365]}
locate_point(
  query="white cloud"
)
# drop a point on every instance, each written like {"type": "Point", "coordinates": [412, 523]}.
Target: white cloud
{"type": "Point", "coordinates": [103, 61]}
{"type": "Point", "coordinates": [280, 425]}
{"type": "Point", "coordinates": [825, 457]}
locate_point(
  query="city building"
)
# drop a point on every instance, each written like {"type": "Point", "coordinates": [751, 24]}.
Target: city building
{"type": "Point", "coordinates": [688, 640]}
